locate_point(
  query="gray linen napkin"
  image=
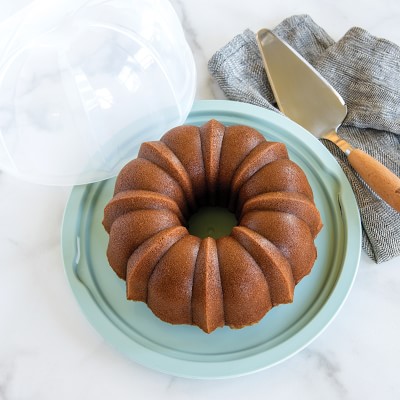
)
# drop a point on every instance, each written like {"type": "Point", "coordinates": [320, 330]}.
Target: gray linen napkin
{"type": "Point", "coordinates": [365, 70]}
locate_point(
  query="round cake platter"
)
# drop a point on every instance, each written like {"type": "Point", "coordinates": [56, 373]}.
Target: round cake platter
{"type": "Point", "coordinates": [187, 351]}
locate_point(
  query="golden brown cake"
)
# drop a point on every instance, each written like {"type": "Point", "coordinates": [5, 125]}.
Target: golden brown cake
{"type": "Point", "coordinates": [233, 280]}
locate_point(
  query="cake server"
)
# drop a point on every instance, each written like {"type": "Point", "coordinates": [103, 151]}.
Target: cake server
{"type": "Point", "coordinates": [307, 98]}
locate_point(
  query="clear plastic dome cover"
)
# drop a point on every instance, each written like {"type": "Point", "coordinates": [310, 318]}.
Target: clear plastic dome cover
{"type": "Point", "coordinates": [84, 82]}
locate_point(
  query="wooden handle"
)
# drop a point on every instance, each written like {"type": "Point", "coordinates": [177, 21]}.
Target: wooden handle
{"type": "Point", "coordinates": [381, 180]}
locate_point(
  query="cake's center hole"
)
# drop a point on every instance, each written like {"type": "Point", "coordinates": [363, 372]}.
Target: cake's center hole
{"type": "Point", "coordinates": [215, 222]}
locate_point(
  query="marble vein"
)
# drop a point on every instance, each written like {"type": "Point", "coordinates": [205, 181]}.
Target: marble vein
{"type": "Point", "coordinates": [329, 369]}
{"type": "Point", "coordinates": [205, 90]}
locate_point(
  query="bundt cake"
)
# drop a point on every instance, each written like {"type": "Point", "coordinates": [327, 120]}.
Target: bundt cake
{"type": "Point", "coordinates": [233, 280]}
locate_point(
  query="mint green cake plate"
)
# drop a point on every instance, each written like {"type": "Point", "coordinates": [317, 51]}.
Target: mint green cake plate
{"type": "Point", "coordinates": [187, 351]}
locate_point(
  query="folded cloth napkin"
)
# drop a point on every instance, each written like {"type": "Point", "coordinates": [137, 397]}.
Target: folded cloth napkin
{"type": "Point", "coordinates": [365, 70]}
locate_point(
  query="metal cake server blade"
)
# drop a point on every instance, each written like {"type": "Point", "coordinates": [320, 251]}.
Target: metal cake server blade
{"type": "Point", "coordinates": [307, 98]}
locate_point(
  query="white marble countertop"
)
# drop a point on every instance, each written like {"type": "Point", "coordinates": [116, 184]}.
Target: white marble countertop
{"type": "Point", "coordinates": [47, 348]}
